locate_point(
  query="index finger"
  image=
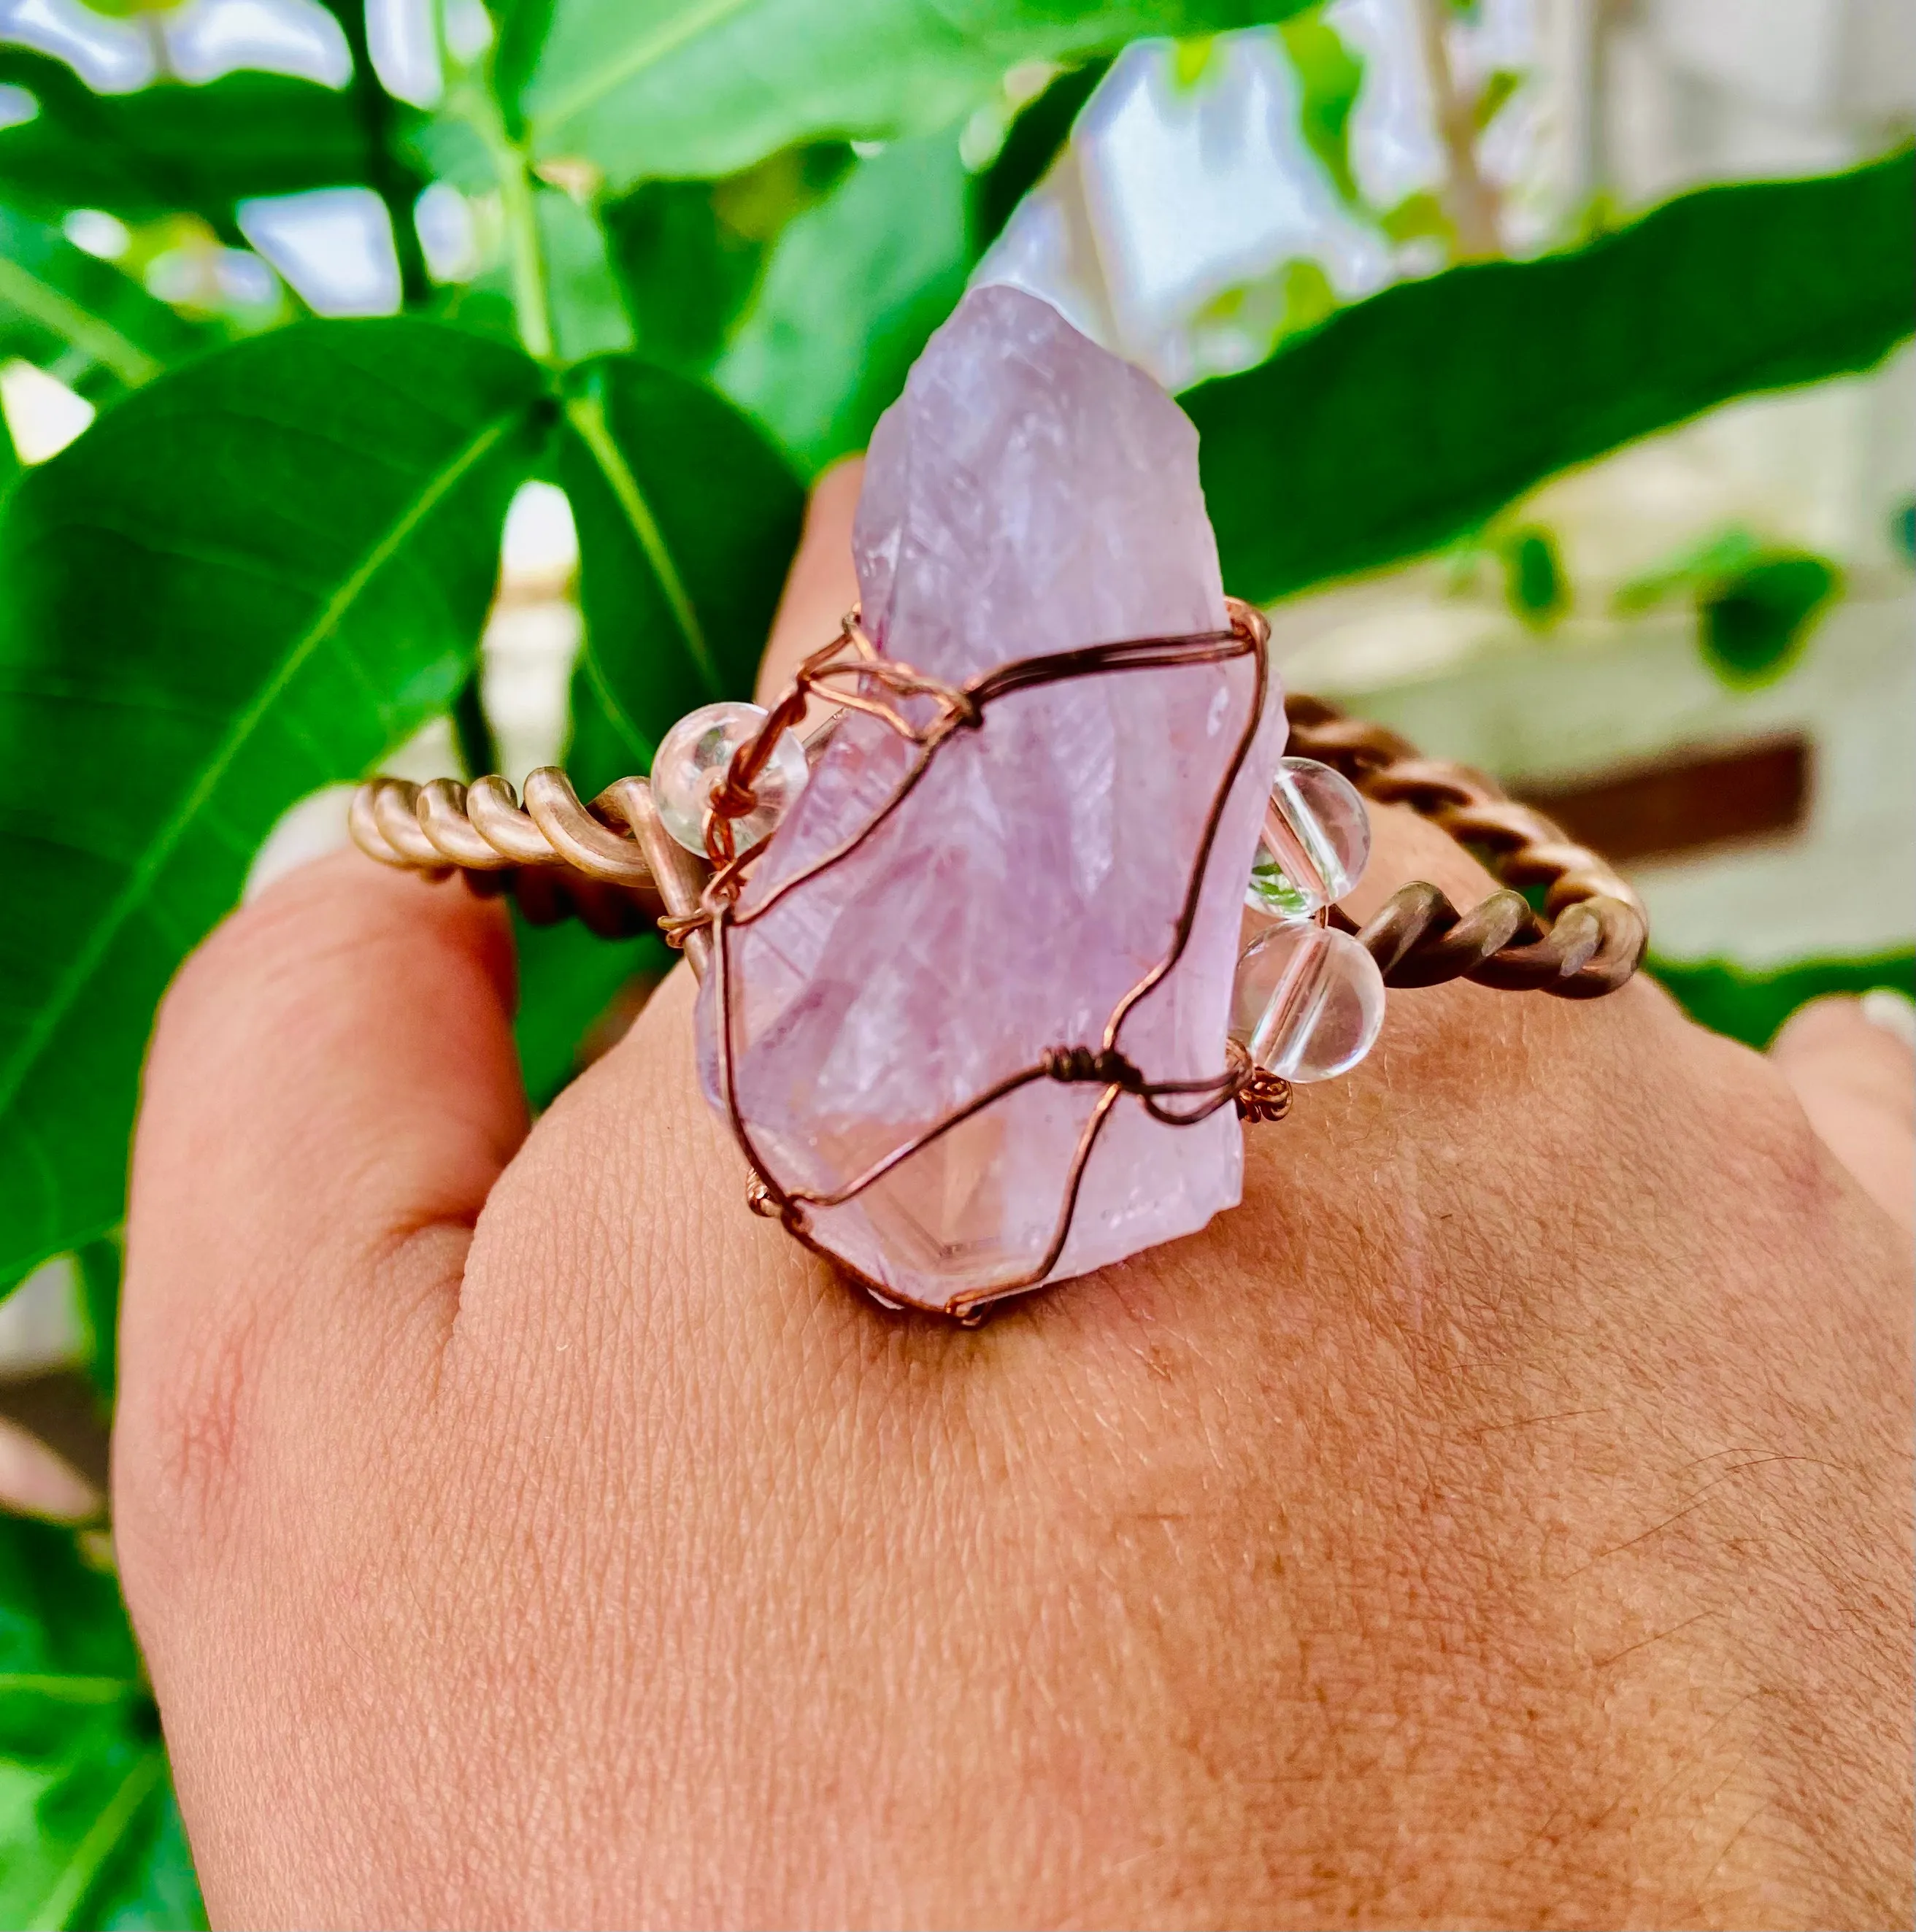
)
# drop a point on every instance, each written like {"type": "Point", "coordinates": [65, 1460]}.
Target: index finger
{"type": "Point", "coordinates": [331, 1090]}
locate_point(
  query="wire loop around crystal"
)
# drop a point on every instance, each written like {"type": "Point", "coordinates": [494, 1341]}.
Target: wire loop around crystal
{"type": "Point", "coordinates": [1104, 1064]}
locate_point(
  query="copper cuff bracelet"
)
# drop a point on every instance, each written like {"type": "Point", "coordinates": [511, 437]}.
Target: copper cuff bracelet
{"type": "Point", "coordinates": [614, 864]}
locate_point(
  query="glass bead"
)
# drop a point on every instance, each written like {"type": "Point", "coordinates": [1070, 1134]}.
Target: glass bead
{"type": "Point", "coordinates": [1308, 1001]}
{"type": "Point", "coordinates": [692, 760]}
{"type": "Point", "coordinates": [1315, 843]}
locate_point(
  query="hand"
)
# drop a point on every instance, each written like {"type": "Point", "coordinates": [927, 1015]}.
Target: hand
{"type": "Point", "coordinates": [1501, 1518]}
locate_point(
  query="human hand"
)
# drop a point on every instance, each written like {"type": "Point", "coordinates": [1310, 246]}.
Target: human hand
{"type": "Point", "coordinates": [1502, 1518]}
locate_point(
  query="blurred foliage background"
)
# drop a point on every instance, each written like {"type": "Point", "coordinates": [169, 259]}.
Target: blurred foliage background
{"type": "Point", "coordinates": [434, 385]}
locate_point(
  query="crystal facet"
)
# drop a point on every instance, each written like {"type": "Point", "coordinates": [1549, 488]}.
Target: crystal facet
{"type": "Point", "coordinates": [1029, 493]}
{"type": "Point", "coordinates": [691, 763]}
{"type": "Point", "coordinates": [1315, 843]}
{"type": "Point", "coordinates": [1308, 1001]}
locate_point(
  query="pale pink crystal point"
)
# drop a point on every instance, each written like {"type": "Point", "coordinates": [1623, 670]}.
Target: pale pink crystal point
{"type": "Point", "coordinates": [1029, 493]}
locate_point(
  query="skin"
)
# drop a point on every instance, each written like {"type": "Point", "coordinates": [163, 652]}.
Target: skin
{"type": "Point", "coordinates": [1502, 1519]}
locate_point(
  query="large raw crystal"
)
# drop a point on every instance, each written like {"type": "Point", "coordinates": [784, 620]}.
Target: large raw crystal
{"type": "Point", "coordinates": [1029, 493]}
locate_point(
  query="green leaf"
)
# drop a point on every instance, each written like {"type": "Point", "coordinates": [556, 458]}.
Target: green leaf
{"type": "Point", "coordinates": [689, 254]}
{"type": "Point", "coordinates": [855, 288]}
{"type": "Point", "coordinates": [1329, 77]}
{"type": "Point", "coordinates": [170, 149]}
{"type": "Point", "coordinates": [687, 519]}
{"type": "Point", "coordinates": [1413, 417]}
{"type": "Point", "coordinates": [249, 580]}
{"type": "Point", "coordinates": [588, 316]}
{"type": "Point", "coordinates": [858, 283]}
{"type": "Point", "coordinates": [1752, 625]}
{"type": "Point", "coordinates": [56, 299]}
{"type": "Point", "coordinates": [60, 1615]}
{"type": "Point", "coordinates": [679, 88]}
{"type": "Point", "coordinates": [1756, 602]}
{"type": "Point", "coordinates": [151, 1886]}
{"type": "Point", "coordinates": [520, 28]}
{"type": "Point", "coordinates": [89, 1834]}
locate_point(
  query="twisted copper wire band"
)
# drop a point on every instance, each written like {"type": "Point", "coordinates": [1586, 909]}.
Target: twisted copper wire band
{"type": "Point", "coordinates": [558, 858]}
{"type": "Point", "coordinates": [1592, 936]}
{"type": "Point", "coordinates": [562, 858]}
{"type": "Point", "coordinates": [612, 863]}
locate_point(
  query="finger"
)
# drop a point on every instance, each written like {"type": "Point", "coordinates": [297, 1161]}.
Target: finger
{"type": "Point", "coordinates": [331, 1090]}
{"type": "Point", "coordinates": [1857, 1082]}
{"type": "Point", "coordinates": [822, 585]}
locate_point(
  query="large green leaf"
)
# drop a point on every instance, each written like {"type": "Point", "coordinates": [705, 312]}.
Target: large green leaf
{"type": "Point", "coordinates": [56, 300]}
{"type": "Point", "coordinates": [687, 519]}
{"type": "Point", "coordinates": [169, 148]}
{"type": "Point", "coordinates": [249, 580]}
{"type": "Point", "coordinates": [854, 288]}
{"type": "Point", "coordinates": [1409, 418]}
{"type": "Point", "coordinates": [89, 1834]}
{"type": "Point", "coordinates": [681, 88]}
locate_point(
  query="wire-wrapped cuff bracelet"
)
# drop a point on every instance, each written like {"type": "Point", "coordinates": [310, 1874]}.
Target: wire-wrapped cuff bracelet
{"type": "Point", "coordinates": [1562, 922]}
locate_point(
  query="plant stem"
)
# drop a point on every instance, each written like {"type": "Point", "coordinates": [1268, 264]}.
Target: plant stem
{"type": "Point", "coordinates": [396, 183]}
{"type": "Point", "coordinates": [525, 256]}
{"type": "Point", "coordinates": [1471, 200]}
{"type": "Point", "coordinates": [469, 95]}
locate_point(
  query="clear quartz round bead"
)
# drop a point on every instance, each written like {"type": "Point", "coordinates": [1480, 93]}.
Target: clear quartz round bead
{"type": "Point", "coordinates": [1308, 1001]}
{"type": "Point", "coordinates": [691, 763]}
{"type": "Point", "coordinates": [1315, 843]}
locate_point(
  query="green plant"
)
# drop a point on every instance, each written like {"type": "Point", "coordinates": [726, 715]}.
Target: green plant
{"type": "Point", "coordinates": [89, 1830]}
{"type": "Point", "coordinates": [268, 562]}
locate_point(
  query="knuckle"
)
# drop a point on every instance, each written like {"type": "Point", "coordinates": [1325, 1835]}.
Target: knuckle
{"type": "Point", "coordinates": [1759, 1137]}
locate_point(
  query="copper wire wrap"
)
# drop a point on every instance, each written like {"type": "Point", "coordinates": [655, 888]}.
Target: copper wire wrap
{"type": "Point", "coordinates": [850, 671]}
{"type": "Point", "coordinates": [1592, 932]}
{"type": "Point", "coordinates": [611, 863]}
